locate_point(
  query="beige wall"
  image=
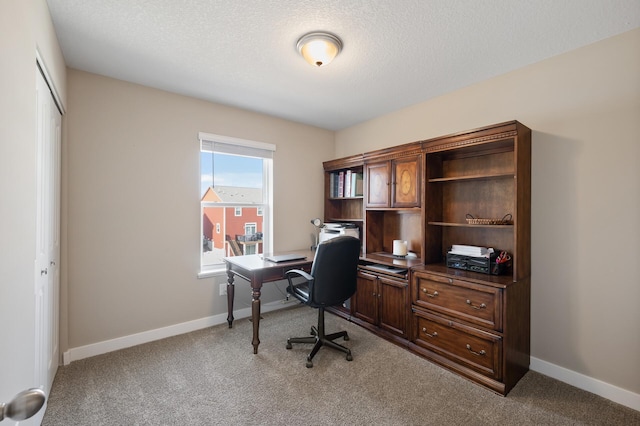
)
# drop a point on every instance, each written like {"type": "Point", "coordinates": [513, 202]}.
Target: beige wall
{"type": "Point", "coordinates": [24, 27]}
{"type": "Point", "coordinates": [584, 110]}
{"type": "Point", "coordinates": [133, 192]}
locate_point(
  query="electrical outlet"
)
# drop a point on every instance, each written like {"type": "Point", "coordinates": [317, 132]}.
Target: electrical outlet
{"type": "Point", "coordinates": [223, 289]}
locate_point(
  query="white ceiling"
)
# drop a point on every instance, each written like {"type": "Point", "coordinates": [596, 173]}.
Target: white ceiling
{"type": "Point", "coordinates": [396, 52]}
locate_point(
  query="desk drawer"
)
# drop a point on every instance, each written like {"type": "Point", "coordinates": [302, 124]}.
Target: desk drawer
{"type": "Point", "coordinates": [278, 273]}
{"type": "Point", "coordinates": [468, 301]}
{"type": "Point", "coordinates": [473, 348]}
{"type": "Point", "coordinates": [306, 268]}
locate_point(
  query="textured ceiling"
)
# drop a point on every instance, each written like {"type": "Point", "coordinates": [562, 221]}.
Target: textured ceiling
{"type": "Point", "coordinates": [396, 52]}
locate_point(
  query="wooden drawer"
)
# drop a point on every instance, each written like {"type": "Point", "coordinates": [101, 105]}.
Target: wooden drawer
{"type": "Point", "coordinates": [306, 268]}
{"type": "Point", "coordinates": [474, 303]}
{"type": "Point", "coordinates": [273, 274]}
{"type": "Point", "coordinates": [476, 349]}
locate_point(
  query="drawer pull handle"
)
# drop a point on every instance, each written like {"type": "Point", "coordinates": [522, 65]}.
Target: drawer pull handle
{"type": "Point", "coordinates": [434, 294]}
{"type": "Point", "coordinates": [435, 333]}
{"type": "Point", "coordinates": [482, 305]}
{"type": "Point", "coordinates": [481, 353]}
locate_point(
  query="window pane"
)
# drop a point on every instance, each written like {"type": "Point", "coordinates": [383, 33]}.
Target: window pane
{"type": "Point", "coordinates": [240, 185]}
{"type": "Point", "coordinates": [226, 170]}
{"type": "Point", "coordinates": [214, 247]}
{"type": "Point", "coordinates": [241, 235]}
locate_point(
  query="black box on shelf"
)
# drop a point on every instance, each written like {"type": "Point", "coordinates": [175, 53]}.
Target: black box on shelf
{"type": "Point", "coordinates": [484, 265]}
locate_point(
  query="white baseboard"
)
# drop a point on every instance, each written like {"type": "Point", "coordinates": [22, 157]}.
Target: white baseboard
{"type": "Point", "coordinates": [99, 348]}
{"type": "Point", "coordinates": [589, 384]}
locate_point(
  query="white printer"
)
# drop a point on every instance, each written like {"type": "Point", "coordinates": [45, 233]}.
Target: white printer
{"type": "Point", "coordinates": [332, 230]}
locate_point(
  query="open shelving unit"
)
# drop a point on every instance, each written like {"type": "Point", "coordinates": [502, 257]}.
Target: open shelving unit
{"type": "Point", "coordinates": [343, 209]}
{"type": "Point", "coordinates": [485, 174]}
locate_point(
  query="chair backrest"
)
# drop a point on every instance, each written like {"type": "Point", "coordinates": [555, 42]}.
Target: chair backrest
{"type": "Point", "coordinates": [335, 270]}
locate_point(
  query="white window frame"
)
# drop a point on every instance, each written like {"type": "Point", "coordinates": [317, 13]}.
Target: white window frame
{"type": "Point", "coordinates": [237, 212]}
{"type": "Point", "coordinates": [236, 146]}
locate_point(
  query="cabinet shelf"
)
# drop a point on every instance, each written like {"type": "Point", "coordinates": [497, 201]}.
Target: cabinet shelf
{"type": "Point", "coordinates": [472, 177]}
{"type": "Point", "coordinates": [467, 225]}
{"type": "Point", "coordinates": [343, 219]}
{"type": "Point", "coordinates": [395, 209]}
{"type": "Point", "coordinates": [358, 197]}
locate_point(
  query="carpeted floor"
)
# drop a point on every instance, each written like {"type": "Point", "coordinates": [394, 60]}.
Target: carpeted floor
{"type": "Point", "coordinates": [212, 377]}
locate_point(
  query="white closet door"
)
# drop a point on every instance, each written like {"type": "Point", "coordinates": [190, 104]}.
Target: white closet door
{"type": "Point", "coordinates": [47, 268]}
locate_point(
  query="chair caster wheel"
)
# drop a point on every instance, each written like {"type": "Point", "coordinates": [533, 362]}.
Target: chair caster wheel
{"type": "Point", "coordinates": [289, 345]}
{"type": "Point", "coordinates": [349, 357]}
{"type": "Point", "coordinates": [346, 337]}
{"type": "Point", "coordinates": [309, 364]}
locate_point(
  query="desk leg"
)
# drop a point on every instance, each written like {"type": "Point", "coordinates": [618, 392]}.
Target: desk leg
{"type": "Point", "coordinates": [230, 294]}
{"type": "Point", "coordinates": [255, 315]}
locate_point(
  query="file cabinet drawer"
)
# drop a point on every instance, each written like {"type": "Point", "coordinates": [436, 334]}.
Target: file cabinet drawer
{"type": "Point", "coordinates": [474, 303]}
{"type": "Point", "coordinates": [476, 349]}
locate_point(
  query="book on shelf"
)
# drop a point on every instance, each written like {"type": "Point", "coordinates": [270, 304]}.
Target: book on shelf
{"type": "Point", "coordinates": [332, 185]}
{"type": "Point", "coordinates": [356, 185]}
{"type": "Point", "coordinates": [340, 184]}
{"type": "Point", "coordinates": [347, 183]}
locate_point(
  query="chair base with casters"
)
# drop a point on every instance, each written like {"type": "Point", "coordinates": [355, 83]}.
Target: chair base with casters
{"type": "Point", "coordinates": [319, 338]}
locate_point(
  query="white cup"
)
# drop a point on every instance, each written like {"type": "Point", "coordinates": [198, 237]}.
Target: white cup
{"type": "Point", "coordinates": [399, 248]}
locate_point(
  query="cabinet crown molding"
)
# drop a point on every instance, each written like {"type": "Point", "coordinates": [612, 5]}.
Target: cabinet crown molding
{"type": "Point", "coordinates": [392, 153]}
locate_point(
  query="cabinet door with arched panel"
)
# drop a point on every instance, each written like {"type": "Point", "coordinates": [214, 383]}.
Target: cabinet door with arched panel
{"type": "Point", "coordinates": [378, 183]}
{"type": "Point", "coordinates": [406, 182]}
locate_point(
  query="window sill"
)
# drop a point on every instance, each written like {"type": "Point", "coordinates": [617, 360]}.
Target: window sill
{"type": "Point", "coordinates": [209, 273]}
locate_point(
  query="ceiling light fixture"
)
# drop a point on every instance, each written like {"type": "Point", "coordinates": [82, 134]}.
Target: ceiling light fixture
{"type": "Point", "coordinates": [319, 48]}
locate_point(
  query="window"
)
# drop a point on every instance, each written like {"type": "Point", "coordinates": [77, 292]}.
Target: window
{"type": "Point", "coordinates": [236, 195]}
{"type": "Point", "coordinates": [250, 228]}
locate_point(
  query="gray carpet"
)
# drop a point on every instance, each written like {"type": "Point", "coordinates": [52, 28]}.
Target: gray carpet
{"type": "Point", "coordinates": [212, 377]}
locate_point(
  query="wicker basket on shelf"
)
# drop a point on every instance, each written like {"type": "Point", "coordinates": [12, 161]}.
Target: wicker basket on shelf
{"type": "Point", "coordinates": [506, 220]}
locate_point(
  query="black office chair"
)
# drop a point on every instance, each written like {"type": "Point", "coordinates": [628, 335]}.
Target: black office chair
{"type": "Point", "coordinates": [331, 282]}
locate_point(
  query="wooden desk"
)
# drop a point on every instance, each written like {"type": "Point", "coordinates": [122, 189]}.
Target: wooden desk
{"type": "Point", "coordinates": [257, 271]}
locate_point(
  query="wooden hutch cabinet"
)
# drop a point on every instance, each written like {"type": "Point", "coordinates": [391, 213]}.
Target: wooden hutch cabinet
{"type": "Point", "coordinates": [393, 190]}
{"type": "Point", "coordinates": [470, 188]}
{"type": "Point", "coordinates": [394, 177]}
